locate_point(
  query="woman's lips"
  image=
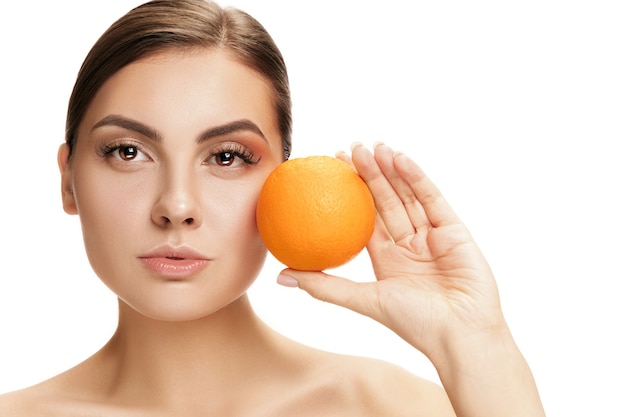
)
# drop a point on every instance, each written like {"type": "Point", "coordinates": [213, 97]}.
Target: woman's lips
{"type": "Point", "coordinates": [174, 267]}
{"type": "Point", "coordinates": [174, 263]}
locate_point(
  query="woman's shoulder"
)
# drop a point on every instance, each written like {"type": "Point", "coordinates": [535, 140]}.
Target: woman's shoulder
{"type": "Point", "coordinates": [23, 402]}
{"type": "Point", "coordinates": [376, 387]}
{"type": "Point", "coordinates": [55, 396]}
{"type": "Point", "coordinates": [49, 399]}
{"type": "Point", "coordinates": [319, 383]}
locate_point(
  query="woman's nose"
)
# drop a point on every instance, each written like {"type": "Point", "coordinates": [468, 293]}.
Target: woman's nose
{"type": "Point", "coordinates": [178, 203]}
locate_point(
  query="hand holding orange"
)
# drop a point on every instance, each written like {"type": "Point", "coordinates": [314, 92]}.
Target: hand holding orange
{"type": "Point", "coordinates": [315, 213]}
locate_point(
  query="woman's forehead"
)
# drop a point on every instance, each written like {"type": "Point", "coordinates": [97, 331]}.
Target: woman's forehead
{"type": "Point", "coordinates": [187, 87]}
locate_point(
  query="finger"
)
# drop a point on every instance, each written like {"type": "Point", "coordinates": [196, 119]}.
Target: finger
{"type": "Point", "coordinates": [384, 155]}
{"type": "Point", "coordinates": [388, 203]}
{"type": "Point", "coordinates": [380, 236]}
{"type": "Point", "coordinates": [358, 297]}
{"type": "Point", "coordinates": [435, 206]}
{"type": "Point", "coordinates": [345, 158]}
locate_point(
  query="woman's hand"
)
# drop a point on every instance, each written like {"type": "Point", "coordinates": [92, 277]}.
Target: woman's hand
{"type": "Point", "coordinates": [433, 288]}
{"type": "Point", "coordinates": [432, 280]}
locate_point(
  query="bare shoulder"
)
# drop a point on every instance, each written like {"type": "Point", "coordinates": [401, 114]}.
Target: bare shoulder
{"type": "Point", "coordinates": [24, 402]}
{"type": "Point", "coordinates": [11, 404]}
{"type": "Point", "coordinates": [381, 388]}
{"type": "Point", "coordinates": [57, 396]}
{"type": "Point", "coordinates": [395, 391]}
{"type": "Point", "coordinates": [51, 399]}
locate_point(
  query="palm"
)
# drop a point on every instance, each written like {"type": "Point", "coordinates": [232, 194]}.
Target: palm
{"type": "Point", "coordinates": [429, 271]}
{"type": "Point", "coordinates": [433, 288]}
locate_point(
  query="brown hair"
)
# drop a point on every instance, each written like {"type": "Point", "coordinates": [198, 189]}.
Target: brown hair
{"type": "Point", "coordinates": [161, 24]}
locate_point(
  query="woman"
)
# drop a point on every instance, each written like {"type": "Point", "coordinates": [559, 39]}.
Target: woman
{"type": "Point", "coordinates": [178, 115]}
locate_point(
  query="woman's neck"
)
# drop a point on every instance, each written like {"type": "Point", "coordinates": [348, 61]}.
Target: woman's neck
{"type": "Point", "coordinates": [171, 362]}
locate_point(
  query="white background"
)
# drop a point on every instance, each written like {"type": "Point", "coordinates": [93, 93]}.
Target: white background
{"type": "Point", "coordinates": [517, 110]}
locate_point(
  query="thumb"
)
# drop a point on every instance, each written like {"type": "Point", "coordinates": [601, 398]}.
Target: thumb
{"type": "Point", "coordinates": [358, 297]}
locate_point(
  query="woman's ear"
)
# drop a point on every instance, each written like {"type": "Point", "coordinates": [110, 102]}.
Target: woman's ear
{"type": "Point", "coordinates": [67, 189]}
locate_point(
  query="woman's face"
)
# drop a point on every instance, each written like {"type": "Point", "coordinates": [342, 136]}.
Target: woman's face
{"type": "Point", "coordinates": [168, 165]}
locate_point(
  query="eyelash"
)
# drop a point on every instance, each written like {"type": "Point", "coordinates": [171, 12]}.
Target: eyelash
{"type": "Point", "coordinates": [236, 150]}
{"type": "Point", "coordinates": [108, 149]}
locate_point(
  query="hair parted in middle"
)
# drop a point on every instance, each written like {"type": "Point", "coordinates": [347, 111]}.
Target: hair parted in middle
{"type": "Point", "coordinates": [159, 25]}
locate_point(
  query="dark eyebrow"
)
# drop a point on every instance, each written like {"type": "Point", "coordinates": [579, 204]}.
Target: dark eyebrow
{"type": "Point", "coordinates": [225, 129]}
{"type": "Point", "coordinates": [128, 124]}
{"type": "Point", "coordinates": [147, 131]}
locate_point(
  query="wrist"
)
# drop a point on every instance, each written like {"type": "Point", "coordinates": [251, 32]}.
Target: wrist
{"type": "Point", "coordinates": [461, 339]}
{"type": "Point", "coordinates": [484, 373]}
{"type": "Point", "coordinates": [474, 344]}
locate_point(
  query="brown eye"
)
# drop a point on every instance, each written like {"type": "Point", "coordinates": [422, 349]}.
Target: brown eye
{"type": "Point", "coordinates": [232, 156]}
{"type": "Point", "coordinates": [128, 153]}
{"type": "Point", "coordinates": [225, 159]}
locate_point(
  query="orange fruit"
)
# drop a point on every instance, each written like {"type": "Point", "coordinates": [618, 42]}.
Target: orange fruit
{"type": "Point", "coordinates": [315, 213]}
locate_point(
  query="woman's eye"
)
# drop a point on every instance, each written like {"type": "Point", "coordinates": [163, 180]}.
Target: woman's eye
{"type": "Point", "coordinates": [233, 157]}
{"type": "Point", "coordinates": [225, 159]}
{"type": "Point", "coordinates": [129, 153]}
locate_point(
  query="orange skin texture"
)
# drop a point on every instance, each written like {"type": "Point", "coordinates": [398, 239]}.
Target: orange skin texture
{"type": "Point", "coordinates": [315, 213]}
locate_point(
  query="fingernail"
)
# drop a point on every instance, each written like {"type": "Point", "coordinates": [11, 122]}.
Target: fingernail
{"type": "Point", "coordinates": [377, 143]}
{"type": "Point", "coordinates": [354, 145]}
{"type": "Point", "coordinates": [287, 281]}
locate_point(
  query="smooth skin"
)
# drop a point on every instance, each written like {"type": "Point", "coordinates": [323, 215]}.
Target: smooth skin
{"type": "Point", "coordinates": [150, 170]}
{"type": "Point", "coordinates": [434, 289]}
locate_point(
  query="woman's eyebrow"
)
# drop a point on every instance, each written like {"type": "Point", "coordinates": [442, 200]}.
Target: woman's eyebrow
{"type": "Point", "coordinates": [128, 124]}
{"type": "Point", "coordinates": [147, 131]}
{"type": "Point", "coordinates": [231, 127]}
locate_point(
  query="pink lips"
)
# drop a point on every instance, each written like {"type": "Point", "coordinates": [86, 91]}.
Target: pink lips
{"type": "Point", "coordinates": [174, 263]}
